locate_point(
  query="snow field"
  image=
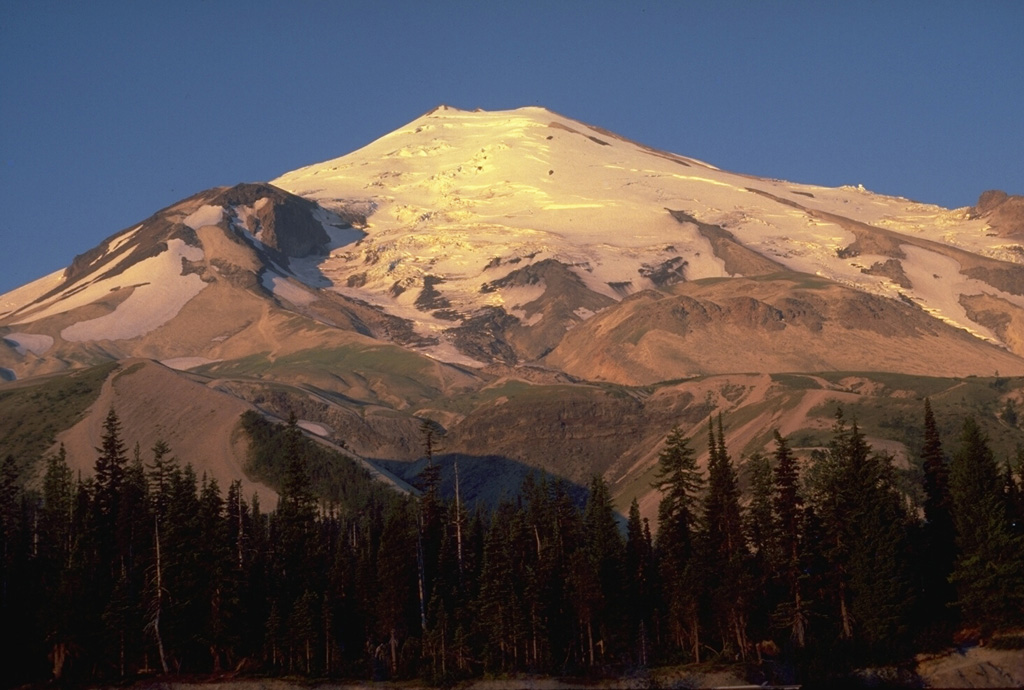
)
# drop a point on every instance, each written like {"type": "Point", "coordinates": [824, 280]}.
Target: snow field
{"type": "Point", "coordinates": [159, 292]}
{"type": "Point", "coordinates": [30, 292]}
{"type": "Point", "coordinates": [286, 289]}
{"type": "Point", "coordinates": [24, 343]}
{"type": "Point", "coordinates": [186, 363]}
{"type": "Point", "coordinates": [203, 216]}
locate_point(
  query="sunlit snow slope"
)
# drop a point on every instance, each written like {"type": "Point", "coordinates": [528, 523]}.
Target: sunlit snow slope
{"type": "Point", "coordinates": [524, 236]}
{"type": "Point", "coordinates": [456, 200]}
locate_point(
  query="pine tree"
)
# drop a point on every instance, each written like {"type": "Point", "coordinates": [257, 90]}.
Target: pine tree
{"type": "Point", "coordinates": [184, 574]}
{"type": "Point", "coordinates": [57, 510]}
{"type": "Point", "coordinates": [865, 528]}
{"type": "Point", "coordinates": [134, 536]}
{"type": "Point", "coordinates": [639, 580]}
{"type": "Point", "coordinates": [395, 607]}
{"type": "Point", "coordinates": [788, 517]}
{"type": "Point", "coordinates": [161, 474]}
{"type": "Point", "coordinates": [17, 600]}
{"type": "Point", "coordinates": [724, 547]}
{"type": "Point", "coordinates": [938, 537]}
{"type": "Point", "coordinates": [111, 465]}
{"type": "Point", "coordinates": [989, 571]}
{"type": "Point", "coordinates": [680, 482]}
{"type": "Point", "coordinates": [761, 535]}
{"type": "Point", "coordinates": [603, 546]}
{"type": "Point", "coordinates": [432, 521]}
{"type": "Point", "coordinates": [294, 524]}
{"type": "Point", "coordinates": [56, 538]}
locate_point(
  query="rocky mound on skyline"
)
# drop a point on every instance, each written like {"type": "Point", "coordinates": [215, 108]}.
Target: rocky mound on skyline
{"type": "Point", "coordinates": [1004, 213]}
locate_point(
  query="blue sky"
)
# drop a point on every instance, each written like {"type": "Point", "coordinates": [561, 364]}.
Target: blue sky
{"type": "Point", "coordinates": [110, 111]}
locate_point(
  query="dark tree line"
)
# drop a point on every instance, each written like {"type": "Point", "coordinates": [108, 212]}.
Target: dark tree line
{"type": "Point", "coordinates": [817, 568]}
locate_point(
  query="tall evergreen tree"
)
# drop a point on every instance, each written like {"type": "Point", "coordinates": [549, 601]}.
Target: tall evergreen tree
{"type": "Point", "coordinates": [603, 545]}
{"type": "Point", "coordinates": [723, 550]}
{"type": "Point", "coordinates": [989, 569]}
{"type": "Point", "coordinates": [56, 537]}
{"type": "Point", "coordinates": [865, 527]}
{"type": "Point", "coordinates": [938, 537]}
{"type": "Point", "coordinates": [788, 516]}
{"type": "Point", "coordinates": [639, 574]}
{"type": "Point", "coordinates": [110, 468]}
{"type": "Point", "coordinates": [761, 535]}
{"type": "Point", "coordinates": [55, 517]}
{"type": "Point", "coordinates": [680, 482]}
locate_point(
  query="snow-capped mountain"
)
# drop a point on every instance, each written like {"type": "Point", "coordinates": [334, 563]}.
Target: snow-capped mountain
{"type": "Point", "coordinates": [489, 235]}
{"type": "Point", "coordinates": [458, 203]}
{"type": "Point", "coordinates": [468, 249]}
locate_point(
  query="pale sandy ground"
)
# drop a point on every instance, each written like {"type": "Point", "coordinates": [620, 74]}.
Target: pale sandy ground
{"type": "Point", "coordinates": [975, 667]}
{"type": "Point", "coordinates": [154, 403]}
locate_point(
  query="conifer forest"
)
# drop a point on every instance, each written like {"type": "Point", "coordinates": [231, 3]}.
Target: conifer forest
{"type": "Point", "coordinates": [816, 566]}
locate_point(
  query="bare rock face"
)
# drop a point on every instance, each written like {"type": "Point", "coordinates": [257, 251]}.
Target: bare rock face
{"type": "Point", "coordinates": [891, 269]}
{"type": "Point", "coordinates": [547, 318]}
{"type": "Point", "coordinates": [989, 200]}
{"type": "Point", "coordinates": [797, 323]}
{"type": "Point", "coordinates": [1004, 212]}
{"type": "Point", "coordinates": [287, 223]}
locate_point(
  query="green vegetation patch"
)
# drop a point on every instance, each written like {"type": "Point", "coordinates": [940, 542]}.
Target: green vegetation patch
{"type": "Point", "coordinates": [32, 415]}
{"type": "Point", "coordinates": [334, 478]}
{"type": "Point", "coordinates": [900, 417]}
{"type": "Point", "coordinates": [522, 392]}
{"type": "Point", "coordinates": [384, 369]}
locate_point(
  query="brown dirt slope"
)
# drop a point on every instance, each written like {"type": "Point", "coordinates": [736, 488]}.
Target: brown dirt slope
{"type": "Point", "coordinates": [153, 403]}
{"type": "Point", "coordinates": [775, 324]}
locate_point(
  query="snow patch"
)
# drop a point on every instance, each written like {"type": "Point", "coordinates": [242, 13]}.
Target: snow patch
{"type": "Point", "coordinates": [205, 215]}
{"type": "Point", "coordinates": [285, 289]}
{"type": "Point", "coordinates": [314, 428]}
{"type": "Point", "coordinates": [160, 291]}
{"type": "Point", "coordinates": [938, 285]}
{"type": "Point", "coordinates": [28, 293]}
{"type": "Point", "coordinates": [445, 351]}
{"type": "Point", "coordinates": [23, 343]}
{"type": "Point", "coordinates": [118, 242]}
{"type": "Point", "coordinates": [186, 363]}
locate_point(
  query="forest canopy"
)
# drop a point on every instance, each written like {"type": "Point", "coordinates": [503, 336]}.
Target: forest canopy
{"type": "Point", "coordinates": [819, 565]}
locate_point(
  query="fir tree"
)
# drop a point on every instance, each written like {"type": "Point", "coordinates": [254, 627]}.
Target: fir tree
{"type": "Point", "coordinates": [788, 513]}
{"type": "Point", "coordinates": [680, 482]}
{"type": "Point", "coordinates": [761, 535]}
{"type": "Point", "coordinates": [865, 529]}
{"type": "Point", "coordinates": [989, 570]}
{"type": "Point", "coordinates": [938, 536]}
{"type": "Point", "coordinates": [639, 585]}
{"type": "Point", "coordinates": [603, 546]}
{"type": "Point", "coordinates": [110, 468]}
{"type": "Point", "coordinates": [724, 547]}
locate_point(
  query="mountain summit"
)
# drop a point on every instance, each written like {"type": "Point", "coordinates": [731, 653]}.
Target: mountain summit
{"type": "Point", "coordinates": [421, 274]}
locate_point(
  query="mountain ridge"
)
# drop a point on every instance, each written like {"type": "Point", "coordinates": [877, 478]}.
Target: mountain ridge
{"type": "Point", "coordinates": [519, 273]}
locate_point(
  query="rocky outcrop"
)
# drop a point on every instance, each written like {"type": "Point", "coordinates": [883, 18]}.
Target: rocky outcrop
{"type": "Point", "coordinates": [891, 269]}
{"type": "Point", "coordinates": [1004, 212]}
{"type": "Point", "coordinates": [796, 323]}
{"type": "Point", "coordinates": [547, 318]}
{"type": "Point", "coordinates": [738, 260]}
{"type": "Point", "coordinates": [286, 222]}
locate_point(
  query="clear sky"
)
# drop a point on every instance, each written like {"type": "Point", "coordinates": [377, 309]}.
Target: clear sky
{"type": "Point", "coordinates": [110, 111]}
